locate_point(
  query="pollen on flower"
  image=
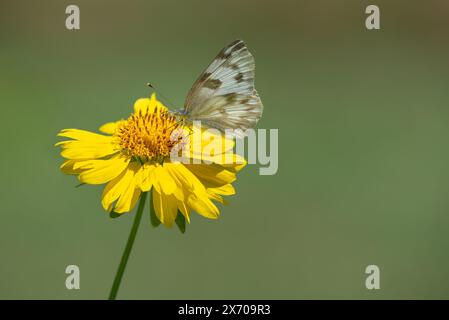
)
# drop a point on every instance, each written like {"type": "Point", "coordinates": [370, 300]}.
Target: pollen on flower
{"type": "Point", "coordinates": [147, 135]}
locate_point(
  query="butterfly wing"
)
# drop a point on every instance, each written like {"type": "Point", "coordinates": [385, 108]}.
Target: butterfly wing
{"type": "Point", "coordinates": [224, 97]}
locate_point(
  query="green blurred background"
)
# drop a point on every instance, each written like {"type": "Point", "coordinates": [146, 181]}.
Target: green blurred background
{"type": "Point", "coordinates": [363, 119]}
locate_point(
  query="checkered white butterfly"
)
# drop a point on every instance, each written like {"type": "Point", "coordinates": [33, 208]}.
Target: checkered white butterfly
{"type": "Point", "coordinates": [223, 97]}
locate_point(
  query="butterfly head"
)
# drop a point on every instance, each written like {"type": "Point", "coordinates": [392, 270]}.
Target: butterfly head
{"type": "Point", "coordinates": [180, 115]}
{"type": "Point", "coordinates": [182, 118]}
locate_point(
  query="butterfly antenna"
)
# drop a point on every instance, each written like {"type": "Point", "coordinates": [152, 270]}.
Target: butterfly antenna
{"type": "Point", "coordinates": [169, 103]}
{"type": "Point", "coordinates": [159, 93]}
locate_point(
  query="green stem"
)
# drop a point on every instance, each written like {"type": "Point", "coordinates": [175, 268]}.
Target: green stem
{"type": "Point", "coordinates": [128, 248]}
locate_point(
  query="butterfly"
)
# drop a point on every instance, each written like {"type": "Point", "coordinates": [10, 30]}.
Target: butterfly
{"type": "Point", "coordinates": [223, 97]}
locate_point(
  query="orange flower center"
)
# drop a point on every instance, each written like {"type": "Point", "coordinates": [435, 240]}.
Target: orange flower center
{"type": "Point", "coordinates": [149, 136]}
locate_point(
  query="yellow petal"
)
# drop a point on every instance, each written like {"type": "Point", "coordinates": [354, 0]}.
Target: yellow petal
{"type": "Point", "coordinates": [178, 191]}
{"type": "Point", "coordinates": [166, 207]}
{"type": "Point", "coordinates": [229, 160]}
{"type": "Point", "coordinates": [215, 143]}
{"type": "Point", "coordinates": [67, 167]}
{"type": "Point", "coordinates": [184, 177]}
{"type": "Point", "coordinates": [184, 209]}
{"type": "Point", "coordinates": [101, 171]}
{"type": "Point", "coordinates": [145, 177]}
{"type": "Point", "coordinates": [212, 175]}
{"type": "Point", "coordinates": [144, 105]}
{"type": "Point", "coordinates": [203, 205]}
{"type": "Point", "coordinates": [78, 150]}
{"type": "Point", "coordinates": [162, 180]}
{"type": "Point", "coordinates": [226, 190]}
{"type": "Point", "coordinates": [86, 145]}
{"type": "Point", "coordinates": [207, 143]}
{"type": "Point", "coordinates": [123, 188]}
{"type": "Point", "coordinates": [128, 199]}
{"type": "Point", "coordinates": [110, 127]}
{"type": "Point", "coordinates": [216, 197]}
{"type": "Point", "coordinates": [78, 134]}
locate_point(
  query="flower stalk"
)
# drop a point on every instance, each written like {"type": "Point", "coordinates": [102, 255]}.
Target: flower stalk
{"type": "Point", "coordinates": [128, 248]}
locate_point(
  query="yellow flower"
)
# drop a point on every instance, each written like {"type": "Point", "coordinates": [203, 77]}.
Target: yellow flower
{"type": "Point", "coordinates": [134, 157]}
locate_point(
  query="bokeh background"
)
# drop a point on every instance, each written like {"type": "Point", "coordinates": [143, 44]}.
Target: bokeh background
{"type": "Point", "coordinates": [363, 119]}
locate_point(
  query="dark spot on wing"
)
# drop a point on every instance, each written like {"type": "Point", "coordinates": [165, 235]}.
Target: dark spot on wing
{"type": "Point", "coordinates": [239, 77]}
{"type": "Point", "coordinates": [244, 101]}
{"type": "Point", "coordinates": [226, 52]}
{"type": "Point", "coordinates": [230, 97]}
{"type": "Point", "coordinates": [234, 66]}
{"type": "Point", "coordinates": [204, 77]}
{"type": "Point", "coordinates": [239, 45]}
{"type": "Point", "coordinates": [212, 84]}
{"type": "Point", "coordinates": [224, 55]}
